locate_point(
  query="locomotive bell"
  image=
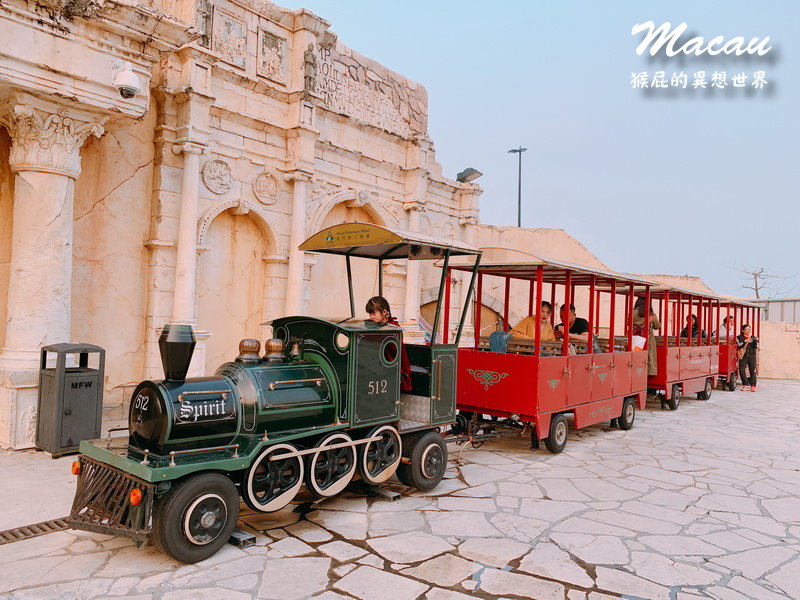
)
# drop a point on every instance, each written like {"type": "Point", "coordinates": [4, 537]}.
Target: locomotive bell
{"type": "Point", "coordinates": [248, 352]}
{"type": "Point", "coordinates": [176, 345]}
{"type": "Point", "coordinates": [274, 350]}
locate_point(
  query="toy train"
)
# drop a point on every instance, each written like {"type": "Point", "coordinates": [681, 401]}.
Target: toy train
{"type": "Point", "coordinates": [320, 405]}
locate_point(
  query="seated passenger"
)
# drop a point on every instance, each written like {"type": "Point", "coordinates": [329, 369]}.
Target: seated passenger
{"type": "Point", "coordinates": [526, 328]}
{"type": "Point", "coordinates": [691, 325]}
{"type": "Point", "coordinates": [725, 328]}
{"type": "Point", "coordinates": [379, 312]}
{"type": "Point", "coordinates": [578, 327]}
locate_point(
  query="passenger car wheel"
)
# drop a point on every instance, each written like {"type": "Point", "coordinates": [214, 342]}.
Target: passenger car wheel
{"type": "Point", "coordinates": [557, 440]}
{"type": "Point", "coordinates": [675, 401]}
{"type": "Point", "coordinates": [731, 384]}
{"type": "Point", "coordinates": [196, 517]}
{"type": "Point", "coordinates": [706, 393]}
{"type": "Point", "coordinates": [628, 416]}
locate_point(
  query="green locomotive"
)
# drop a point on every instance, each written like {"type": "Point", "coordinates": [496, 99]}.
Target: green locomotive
{"type": "Point", "coordinates": [322, 404]}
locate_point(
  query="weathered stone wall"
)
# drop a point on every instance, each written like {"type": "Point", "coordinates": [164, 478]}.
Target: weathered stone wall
{"type": "Point", "coordinates": [780, 350]}
{"type": "Point", "coordinates": [111, 226]}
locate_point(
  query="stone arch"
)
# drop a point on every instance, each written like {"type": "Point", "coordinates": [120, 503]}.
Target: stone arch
{"type": "Point", "coordinates": [260, 215]}
{"type": "Point", "coordinates": [488, 300]}
{"type": "Point", "coordinates": [238, 271]}
{"type": "Point", "coordinates": [376, 208]}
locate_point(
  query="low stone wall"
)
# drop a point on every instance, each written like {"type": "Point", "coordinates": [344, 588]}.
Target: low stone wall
{"type": "Point", "coordinates": [780, 355]}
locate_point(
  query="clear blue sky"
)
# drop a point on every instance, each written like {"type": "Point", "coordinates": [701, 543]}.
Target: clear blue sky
{"type": "Point", "coordinates": [699, 184]}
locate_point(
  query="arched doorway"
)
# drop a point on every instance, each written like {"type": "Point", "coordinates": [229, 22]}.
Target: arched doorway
{"type": "Point", "coordinates": [230, 284]}
{"type": "Point", "coordinates": [490, 318]}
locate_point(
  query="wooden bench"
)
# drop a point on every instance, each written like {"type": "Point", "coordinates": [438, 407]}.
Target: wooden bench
{"type": "Point", "coordinates": [526, 346]}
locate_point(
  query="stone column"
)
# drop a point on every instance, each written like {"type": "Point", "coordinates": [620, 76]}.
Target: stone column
{"type": "Point", "coordinates": [183, 303]}
{"type": "Point", "coordinates": [468, 335]}
{"type": "Point", "coordinates": [410, 322]}
{"type": "Point", "coordinates": [184, 300]}
{"type": "Point", "coordinates": [45, 156]}
{"type": "Point", "coordinates": [469, 213]}
{"type": "Point", "coordinates": [296, 276]}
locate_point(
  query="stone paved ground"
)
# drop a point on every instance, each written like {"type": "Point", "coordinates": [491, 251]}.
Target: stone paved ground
{"type": "Point", "coordinates": [700, 503]}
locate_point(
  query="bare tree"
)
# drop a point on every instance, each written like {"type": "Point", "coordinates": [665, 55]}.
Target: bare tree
{"type": "Point", "coordinates": [760, 280]}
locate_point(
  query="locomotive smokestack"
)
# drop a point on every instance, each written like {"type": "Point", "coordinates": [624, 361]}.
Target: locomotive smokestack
{"type": "Point", "coordinates": [177, 346]}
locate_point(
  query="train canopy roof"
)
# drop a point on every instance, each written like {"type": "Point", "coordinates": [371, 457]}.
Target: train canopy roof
{"type": "Point", "coordinates": [504, 262]}
{"type": "Point", "coordinates": [366, 240]}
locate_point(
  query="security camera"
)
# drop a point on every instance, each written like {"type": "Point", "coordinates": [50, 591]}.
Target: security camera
{"type": "Point", "coordinates": [127, 82]}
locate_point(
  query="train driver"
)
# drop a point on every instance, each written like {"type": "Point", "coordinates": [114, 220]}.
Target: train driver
{"type": "Point", "coordinates": [379, 312]}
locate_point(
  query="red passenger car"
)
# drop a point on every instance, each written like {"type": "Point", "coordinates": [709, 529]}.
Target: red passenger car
{"type": "Point", "coordinates": [688, 356]}
{"type": "Point", "coordinates": [542, 382]}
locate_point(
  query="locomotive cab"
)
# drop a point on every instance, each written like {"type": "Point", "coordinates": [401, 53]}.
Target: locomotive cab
{"type": "Point", "coordinates": [364, 360]}
{"type": "Point", "coordinates": [373, 354]}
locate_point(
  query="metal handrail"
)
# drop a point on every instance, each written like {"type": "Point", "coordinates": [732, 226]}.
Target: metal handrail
{"type": "Point", "coordinates": [223, 393]}
{"type": "Point", "coordinates": [316, 380]}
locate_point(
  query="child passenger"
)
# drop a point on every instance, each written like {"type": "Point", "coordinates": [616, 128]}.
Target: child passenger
{"type": "Point", "coordinates": [379, 312]}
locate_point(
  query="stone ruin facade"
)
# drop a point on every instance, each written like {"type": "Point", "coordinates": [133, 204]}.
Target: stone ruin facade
{"type": "Point", "coordinates": [254, 127]}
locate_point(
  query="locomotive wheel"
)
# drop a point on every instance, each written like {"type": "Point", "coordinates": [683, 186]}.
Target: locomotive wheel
{"type": "Point", "coordinates": [626, 419]}
{"type": "Point", "coordinates": [377, 461]}
{"type": "Point", "coordinates": [427, 454]}
{"type": "Point", "coordinates": [557, 440]}
{"type": "Point", "coordinates": [196, 517]}
{"type": "Point", "coordinates": [269, 485]}
{"type": "Point", "coordinates": [329, 471]}
{"type": "Point", "coordinates": [731, 384]}
{"type": "Point", "coordinates": [706, 393]}
{"type": "Point", "coordinates": [675, 401]}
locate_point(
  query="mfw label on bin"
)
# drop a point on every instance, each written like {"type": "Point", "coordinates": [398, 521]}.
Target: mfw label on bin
{"type": "Point", "coordinates": [81, 385]}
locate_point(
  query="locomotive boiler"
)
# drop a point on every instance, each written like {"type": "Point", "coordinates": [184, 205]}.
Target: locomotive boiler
{"type": "Point", "coordinates": [320, 406]}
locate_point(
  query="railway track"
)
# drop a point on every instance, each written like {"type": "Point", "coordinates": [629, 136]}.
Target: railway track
{"type": "Point", "coordinates": [30, 531]}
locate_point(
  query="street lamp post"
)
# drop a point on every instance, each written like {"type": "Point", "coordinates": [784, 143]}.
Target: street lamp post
{"type": "Point", "coordinates": [519, 151]}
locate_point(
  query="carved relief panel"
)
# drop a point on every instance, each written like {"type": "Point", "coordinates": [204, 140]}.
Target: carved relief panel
{"type": "Point", "coordinates": [230, 38]}
{"type": "Point", "coordinates": [271, 56]}
{"type": "Point", "coordinates": [217, 176]}
{"type": "Point", "coordinates": [265, 187]}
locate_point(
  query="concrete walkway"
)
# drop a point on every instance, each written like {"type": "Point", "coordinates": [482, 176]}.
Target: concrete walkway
{"type": "Point", "coordinates": [699, 503]}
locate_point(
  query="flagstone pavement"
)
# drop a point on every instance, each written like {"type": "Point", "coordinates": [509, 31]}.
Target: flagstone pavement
{"type": "Point", "coordinates": [703, 502]}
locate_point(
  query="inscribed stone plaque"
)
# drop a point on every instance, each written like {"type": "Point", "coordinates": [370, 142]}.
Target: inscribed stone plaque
{"type": "Point", "coordinates": [367, 91]}
{"type": "Point", "coordinates": [217, 176]}
{"type": "Point", "coordinates": [230, 38]}
{"type": "Point", "coordinates": [271, 56]}
{"type": "Point", "coordinates": [265, 188]}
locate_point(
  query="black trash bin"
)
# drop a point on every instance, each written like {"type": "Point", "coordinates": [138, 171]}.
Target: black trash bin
{"type": "Point", "coordinates": [70, 399]}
